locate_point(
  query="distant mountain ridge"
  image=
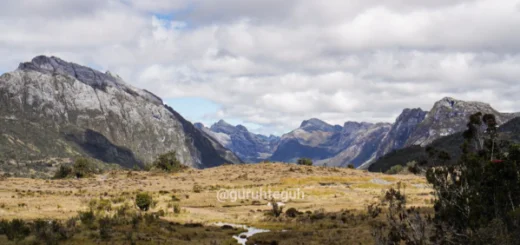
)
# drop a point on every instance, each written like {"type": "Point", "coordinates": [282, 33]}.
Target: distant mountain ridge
{"type": "Point", "coordinates": [362, 143]}
{"type": "Point", "coordinates": [248, 146]}
{"type": "Point", "coordinates": [54, 108]}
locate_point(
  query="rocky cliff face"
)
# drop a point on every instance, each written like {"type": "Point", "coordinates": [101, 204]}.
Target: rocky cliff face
{"type": "Point", "coordinates": [75, 110]}
{"type": "Point", "coordinates": [332, 145]}
{"type": "Point", "coordinates": [248, 146]}
{"type": "Point", "coordinates": [314, 139]}
{"type": "Point", "coordinates": [358, 146]}
{"type": "Point", "coordinates": [405, 124]}
{"type": "Point", "coordinates": [449, 116]}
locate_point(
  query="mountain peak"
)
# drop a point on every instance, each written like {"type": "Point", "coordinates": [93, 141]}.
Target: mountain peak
{"type": "Point", "coordinates": [87, 75]}
{"type": "Point", "coordinates": [242, 128]}
{"type": "Point", "coordinates": [315, 124]}
{"type": "Point", "coordinates": [222, 122]}
{"type": "Point", "coordinates": [452, 103]}
{"type": "Point", "coordinates": [198, 125]}
{"type": "Point", "coordinates": [98, 80]}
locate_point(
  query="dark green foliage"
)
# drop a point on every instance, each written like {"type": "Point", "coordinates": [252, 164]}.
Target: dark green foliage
{"type": "Point", "coordinates": [403, 225]}
{"type": "Point", "coordinates": [52, 232]}
{"type": "Point", "coordinates": [63, 172]}
{"type": "Point", "coordinates": [351, 166]}
{"type": "Point", "coordinates": [277, 210]}
{"type": "Point", "coordinates": [105, 228]}
{"type": "Point", "coordinates": [87, 218]}
{"type": "Point", "coordinates": [82, 168]}
{"type": "Point", "coordinates": [143, 201]}
{"type": "Point", "coordinates": [292, 212]}
{"type": "Point", "coordinates": [478, 194]}
{"type": "Point", "coordinates": [168, 162]}
{"type": "Point", "coordinates": [304, 161]}
{"type": "Point", "coordinates": [15, 230]}
{"type": "Point", "coordinates": [477, 198]}
{"type": "Point", "coordinates": [395, 169]}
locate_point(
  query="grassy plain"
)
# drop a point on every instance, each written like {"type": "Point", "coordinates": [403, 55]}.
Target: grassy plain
{"type": "Point", "coordinates": [334, 193]}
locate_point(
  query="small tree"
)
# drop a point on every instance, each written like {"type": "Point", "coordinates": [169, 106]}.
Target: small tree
{"type": "Point", "coordinates": [143, 201]}
{"type": "Point", "coordinates": [395, 169]}
{"type": "Point", "coordinates": [82, 168]}
{"type": "Point", "coordinates": [351, 166]}
{"type": "Point", "coordinates": [276, 208]}
{"type": "Point", "coordinates": [168, 162]}
{"type": "Point", "coordinates": [304, 162]}
{"type": "Point", "coordinates": [63, 172]}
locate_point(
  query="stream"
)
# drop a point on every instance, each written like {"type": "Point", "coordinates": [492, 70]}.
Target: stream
{"type": "Point", "coordinates": [250, 231]}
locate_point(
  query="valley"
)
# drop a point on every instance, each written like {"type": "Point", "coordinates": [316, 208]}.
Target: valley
{"type": "Point", "coordinates": [326, 190]}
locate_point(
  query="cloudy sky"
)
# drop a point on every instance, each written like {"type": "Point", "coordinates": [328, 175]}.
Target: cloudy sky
{"type": "Point", "coordinates": [269, 64]}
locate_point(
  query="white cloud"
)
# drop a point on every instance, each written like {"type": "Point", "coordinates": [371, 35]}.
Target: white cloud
{"type": "Point", "coordinates": [276, 63]}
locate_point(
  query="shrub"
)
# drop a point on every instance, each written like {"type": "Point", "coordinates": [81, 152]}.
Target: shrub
{"type": "Point", "coordinates": [143, 201]}
{"type": "Point", "coordinates": [304, 161]}
{"type": "Point", "coordinates": [292, 212]}
{"type": "Point", "coordinates": [395, 169]}
{"type": "Point", "coordinates": [87, 218]}
{"type": "Point", "coordinates": [276, 209]}
{"type": "Point", "coordinates": [197, 188]}
{"type": "Point", "coordinates": [351, 166]}
{"type": "Point", "coordinates": [105, 228]}
{"type": "Point", "coordinates": [63, 172]}
{"type": "Point", "coordinates": [168, 162]}
{"type": "Point", "coordinates": [15, 230]}
{"type": "Point", "coordinates": [51, 232]}
{"type": "Point", "coordinates": [176, 208]}
{"type": "Point", "coordinates": [82, 168]}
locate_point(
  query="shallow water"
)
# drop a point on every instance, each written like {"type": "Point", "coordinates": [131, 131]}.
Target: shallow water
{"type": "Point", "coordinates": [250, 231]}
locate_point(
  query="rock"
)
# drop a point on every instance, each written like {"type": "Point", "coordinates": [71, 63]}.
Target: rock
{"type": "Point", "coordinates": [248, 146]}
{"type": "Point", "coordinates": [403, 127]}
{"type": "Point", "coordinates": [69, 109]}
{"type": "Point", "coordinates": [449, 116]}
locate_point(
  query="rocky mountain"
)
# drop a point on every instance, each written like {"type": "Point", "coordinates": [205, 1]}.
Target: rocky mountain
{"type": "Point", "coordinates": [405, 124]}
{"type": "Point", "coordinates": [449, 116]}
{"type": "Point", "coordinates": [52, 108]}
{"type": "Point", "coordinates": [331, 145]}
{"type": "Point", "coordinates": [358, 146]}
{"type": "Point", "coordinates": [361, 143]}
{"type": "Point", "coordinates": [509, 131]}
{"type": "Point", "coordinates": [248, 146]}
{"type": "Point", "coordinates": [314, 139]}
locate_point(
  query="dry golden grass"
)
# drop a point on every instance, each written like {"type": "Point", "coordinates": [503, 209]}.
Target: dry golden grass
{"type": "Point", "coordinates": [332, 189]}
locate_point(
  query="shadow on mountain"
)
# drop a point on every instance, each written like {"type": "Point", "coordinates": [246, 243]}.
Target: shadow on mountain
{"type": "Point", "coordinates": [99, 147]}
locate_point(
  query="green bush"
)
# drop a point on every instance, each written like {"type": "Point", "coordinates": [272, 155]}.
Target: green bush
{"type": "Point", "coordinates": [63, 172]}
{"type": "Point", "coordinates": [351, 166]}
{"type": "Point", "coordinates": [168, 162]}
{"type": "Point", "coordinates": [292, 212]}
{"type": "Point", "coordinates": [87, 218]}
{"type": "Point", "coordinates": [395, 169]}
{"type": "Point", "coordinates": [51, 232]}
{"type": "Point", "coordinates": [176, 208]}
{"type": "Point", "coordinates": [105, 228]}
{"type": "Point", "coordinates": [82, 168]}
{"type": "Point", "coordinates": [197, 188]}
{"type": "Point", "coordinates": [143, 201]}
{"type": "Point", "coordinates": [15, 230]}
{"type": "Point", "coordinates": [304, 161]}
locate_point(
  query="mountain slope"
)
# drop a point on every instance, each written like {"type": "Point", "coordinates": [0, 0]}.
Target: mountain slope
{"type": "Point", "coordinates": [403, 127]}
{"type": "Point", "coordinates": [449, 116]}
{"type": "Point", "coordinates": [314, 139]}
{"type": "Point", "coordinates": [332, 145]}
{"type": "Point", "coordinates": [75, 110]}
{"type": "Point", "coordinates": [509, 131]}
{"type": "Point", "coordinates": [248, 146]}
{"type": "Point", "coordinates": [360, 145]}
